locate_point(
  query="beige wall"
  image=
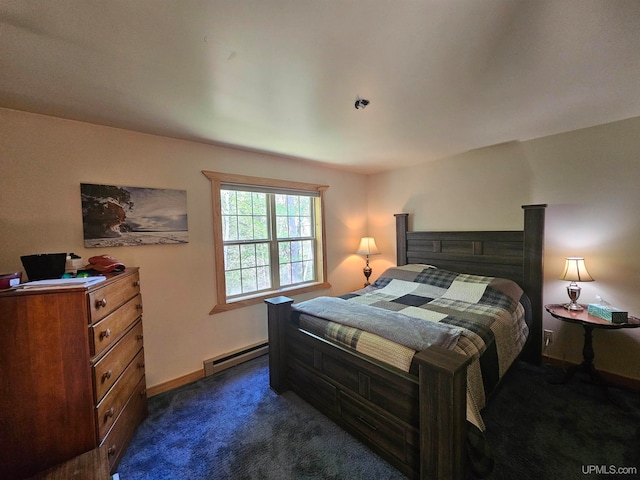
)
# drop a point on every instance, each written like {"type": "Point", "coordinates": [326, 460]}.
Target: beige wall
{"type": "Point", "coordinates": [589, 179]}
{"type": "Point", "coordinates": [43, 160]}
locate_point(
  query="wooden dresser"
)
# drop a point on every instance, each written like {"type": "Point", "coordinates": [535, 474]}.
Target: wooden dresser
{"type": "Point", "coordinates": [71, 373]}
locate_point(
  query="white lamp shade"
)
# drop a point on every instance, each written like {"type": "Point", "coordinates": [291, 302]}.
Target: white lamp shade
{"type": "Point", "coordinates": [367, 246]}
{"type": "Point", "coordinates": [575, 270]}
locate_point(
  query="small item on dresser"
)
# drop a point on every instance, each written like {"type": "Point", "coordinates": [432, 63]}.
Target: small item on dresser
{"type": "Point", "coordinates": [606, 311]}
{"type": "Point", "coordinates": [73, 264]}
{"type": "Point", "coordinates": [8, 280]}
{"type": "Point", "coordinates": [44, 266]}
{"type": "Point", "coordinates": [105, 264]}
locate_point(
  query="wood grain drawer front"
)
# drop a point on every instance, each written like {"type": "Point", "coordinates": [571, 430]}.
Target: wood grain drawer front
{"type": "Point", "coordinates": [369, 424]}
{"type": "Point", "coordinates": [134, 412]}
{"type": "Point", "coordinates": [312, 388]}
{"type": "Point", "coordinates": [109, 329]}
{"type": "Point", "coordinates": [109, 409]}
{"type": "Point", "coordinates": [105, 300]}
{"type": "Point", "coordinates": [107, 370]}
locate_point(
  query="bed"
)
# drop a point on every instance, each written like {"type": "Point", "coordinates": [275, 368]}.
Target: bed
{"type": "Point", "coordinates": [419, 410]}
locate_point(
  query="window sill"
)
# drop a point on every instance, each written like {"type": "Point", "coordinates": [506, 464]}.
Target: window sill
{"type": "Point", "coordinates": [225, 307]}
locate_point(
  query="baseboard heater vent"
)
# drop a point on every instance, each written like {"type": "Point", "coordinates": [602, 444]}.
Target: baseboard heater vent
{"type": "Point", "coordinates": [231, 359]}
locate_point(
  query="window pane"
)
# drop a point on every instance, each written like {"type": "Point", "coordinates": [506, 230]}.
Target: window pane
{"type": "Point", "coordinates": [284, 252]}
{"type": "Point", "coordinates": [293, 205]}
{"type": "Point", "coordinates": [305, 227]}
{"type": "Point", "coordinates": [245, 203]}
{"type": "Point", "coordinates": [260, 227]}
{"type": "Point", "coordinates": [245, 228]}
{"type": "Point", "coordinates": [228, 202]}
{"type": "Point", "coordinates": [262, 254]}
{"type": "Point", "coordinates": [305, 206]}
{"type": "Point", "coordinates": [249, 280]}
{"type": "Point", "coordinates": [309, 271]}
{"type": "Point", "coordinates": [285, 274]}
{"type": "Point", "coordinates": [259, 203]}
{"type": "Point", "coordinates": [233, 282]}
{"type": "Point", "coordinates": [282, 228]}
{"type": "Point", "coordinates": [231, 257]}
{"type": "Point", "coordinates": [264, 277]}
{"type": "Point", "coordinates": [294, 227]}
{"type": "Point", "coordinates": [308, 252]}
{"type": "Point", "coordinates": [296, 273]}
{"type": "Point", "coordinates": [248, 256]}
{"type": "Point", "coordinates": [229, 228]}
{"type": "Point", "coordinates": [281, 205]}
{"type": "Point", "coordinates": [296, 251]}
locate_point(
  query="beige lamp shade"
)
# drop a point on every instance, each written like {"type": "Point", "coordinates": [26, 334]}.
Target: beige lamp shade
{"type": "Point", "coordinates": [575, 270]}
{"type": "Point", "coordinates": [367, 247]}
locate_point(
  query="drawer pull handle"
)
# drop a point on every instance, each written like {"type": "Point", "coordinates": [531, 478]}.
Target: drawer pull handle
{"type": "Point", "coordinates": [141, 365]}
{"type": "Point", "coordinates": [143, 392]}
{"type": "Point", "coordinates": [371, 426]}
{"type": "Point", "coordinates": [139, 337]}
{"type": "Point", "coordinates": [139, 306]}
{"type": "Point", "coordinates": [111, 451]}
{"type": "Point", "coordinates": [105, 334]}
{"type": "Point", "coordinates": [109, 414]}
{"type": "Point", "coordinates": [101, 303]}
{"type": "Point", "coordinates": [106, 375]}
{"type": "Point", "coordinates": [136, 283]}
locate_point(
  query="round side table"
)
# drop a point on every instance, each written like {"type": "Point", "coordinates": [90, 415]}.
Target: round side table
{"type": "Point", "coordinates": [589, 323]}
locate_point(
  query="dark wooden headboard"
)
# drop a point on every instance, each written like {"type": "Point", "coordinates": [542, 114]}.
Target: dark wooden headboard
{"type": "Point", "coordinates": [517, 255]}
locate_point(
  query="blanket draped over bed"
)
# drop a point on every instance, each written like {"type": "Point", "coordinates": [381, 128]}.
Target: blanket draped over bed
{"type": "Point", "coordinates": [412, 307]}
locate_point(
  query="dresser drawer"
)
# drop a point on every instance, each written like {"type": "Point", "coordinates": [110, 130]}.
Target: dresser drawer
{"type": "Point", "coordinates": [108, 410]}
{"type": "Point", "coordinates": [382, 431]}
{"type": "Point", "coordinates": [109, 329]}
{"type": "Point", "coordinates": [134, 412]}
{"type": "Point", "coordinates": [313, 388]}
{"type": "Point", "coordinates": [105, 300]}
{"type": "Point", "coordinates": [107, 370]}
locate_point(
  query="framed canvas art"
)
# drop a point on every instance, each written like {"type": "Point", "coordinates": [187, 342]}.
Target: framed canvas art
{"type": "Point", "coordinates": [116, 216]}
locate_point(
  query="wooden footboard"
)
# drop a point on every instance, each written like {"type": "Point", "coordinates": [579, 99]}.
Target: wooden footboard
{"type": "Point", "coordinates": [418, 424]}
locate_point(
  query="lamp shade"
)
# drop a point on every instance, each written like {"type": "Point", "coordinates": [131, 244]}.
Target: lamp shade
{"type": "Point", "coordinates": [575, 270]}
{"type": "Point", "coordinates": [367, 247]}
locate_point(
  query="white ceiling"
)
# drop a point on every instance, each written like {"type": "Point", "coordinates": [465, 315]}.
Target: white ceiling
{"type": "Point", "coordinates": [282, 76]}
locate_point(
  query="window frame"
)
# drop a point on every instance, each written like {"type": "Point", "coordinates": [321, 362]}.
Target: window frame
{"type": "Point", "coordinates": [218, 181]}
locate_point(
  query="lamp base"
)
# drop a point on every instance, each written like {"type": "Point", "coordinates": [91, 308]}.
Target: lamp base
{"type": "Point", "coordinates": [367, 273]}
{"type": "Point", "coordinates": [574, 307]}
{"type": "Point", "coordinates": [573, 290]}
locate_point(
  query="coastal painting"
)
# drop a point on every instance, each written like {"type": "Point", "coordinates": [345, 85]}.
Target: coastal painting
{"type": "Point", "coordinates": [116, 216]}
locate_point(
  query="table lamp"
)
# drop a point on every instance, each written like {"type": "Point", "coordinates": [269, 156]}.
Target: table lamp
{"type": "Point", "coordinates": [575, 271]}
{"type": "Point", "coordinates": [367, 247]}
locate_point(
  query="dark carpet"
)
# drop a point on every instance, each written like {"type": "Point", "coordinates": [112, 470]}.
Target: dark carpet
{"type": "Point", "coordinates": [232, 426]}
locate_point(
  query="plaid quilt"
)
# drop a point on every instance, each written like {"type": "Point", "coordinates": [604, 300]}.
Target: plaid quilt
{"type": "Point", "coordinates": [484, 314]}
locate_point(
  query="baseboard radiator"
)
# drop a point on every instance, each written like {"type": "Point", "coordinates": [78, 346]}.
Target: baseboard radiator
{"type": "Point", "coordinates": [231, 359]}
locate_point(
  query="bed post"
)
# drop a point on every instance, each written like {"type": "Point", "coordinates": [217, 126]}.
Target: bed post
{"type": "Point", "coordinates": [443, 413]}
{"type": "Point", "coordinates": [533, 276]}
{"type": "Point", "coordinates": [402, 227]}
{"type": "Point", "coordinates": [278, 314]}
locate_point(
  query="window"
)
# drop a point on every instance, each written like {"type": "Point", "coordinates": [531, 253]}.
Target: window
{"type": "Point", "coordinates": [268, 238]}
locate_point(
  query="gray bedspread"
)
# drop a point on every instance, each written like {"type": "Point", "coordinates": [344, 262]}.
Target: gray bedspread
{"type": "Point", "coordinates": [399, 328]}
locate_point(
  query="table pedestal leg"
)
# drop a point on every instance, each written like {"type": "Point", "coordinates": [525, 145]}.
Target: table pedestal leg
{"type": "Point", "coordinates": [587, 363]}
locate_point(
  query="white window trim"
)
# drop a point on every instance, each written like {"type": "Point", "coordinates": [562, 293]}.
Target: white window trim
{"type": "Point", "coordinates": [217, 181]}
